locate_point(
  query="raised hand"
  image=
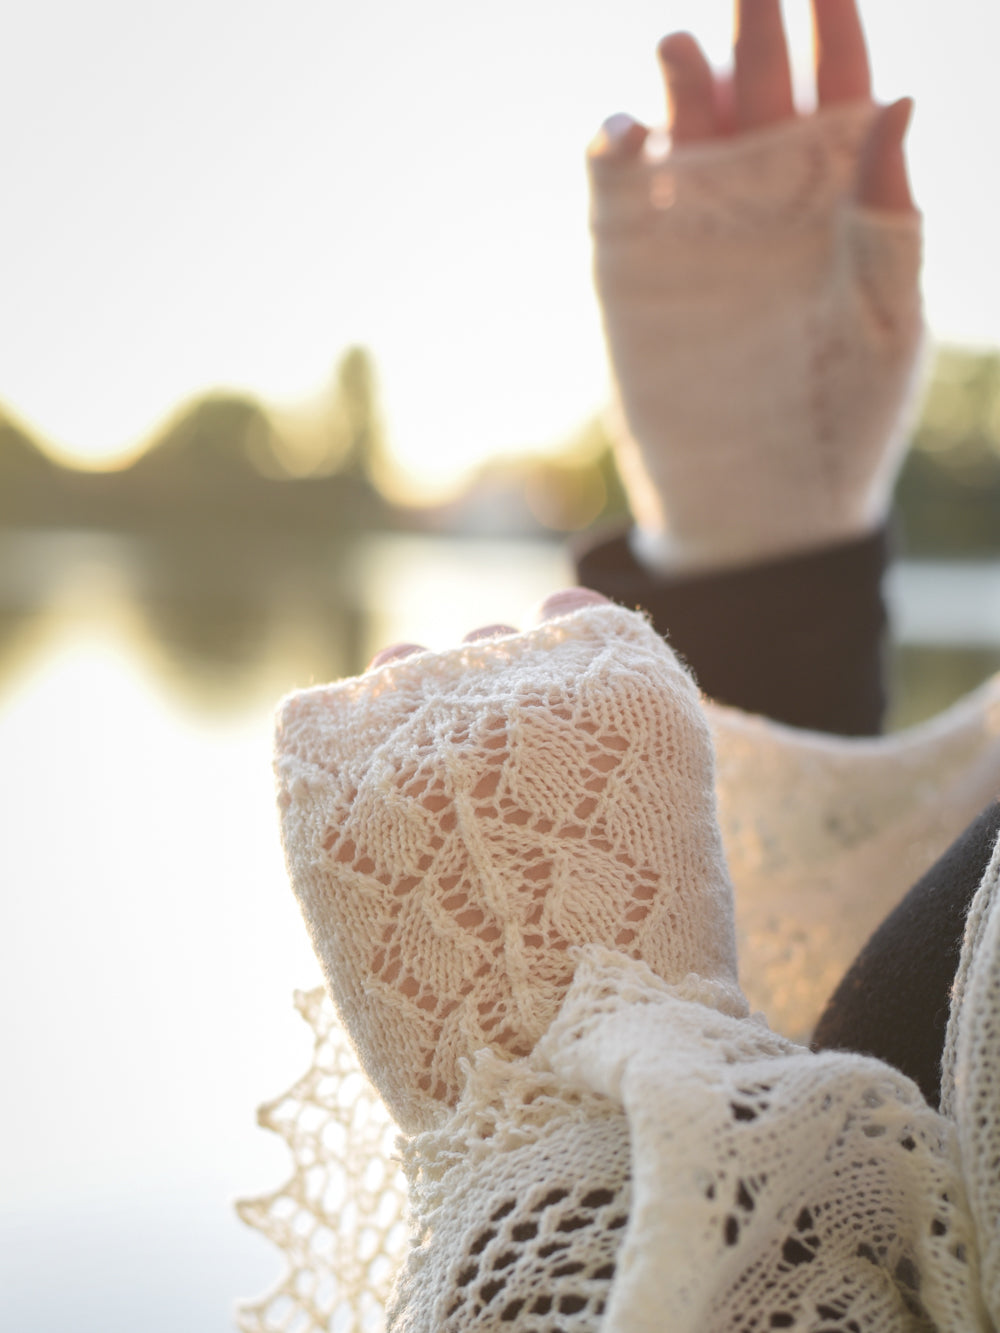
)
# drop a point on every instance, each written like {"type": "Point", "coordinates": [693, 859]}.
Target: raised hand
{"type": "Point", "coordinates": [760, 298]}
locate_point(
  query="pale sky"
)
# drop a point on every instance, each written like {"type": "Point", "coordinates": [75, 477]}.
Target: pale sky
{"type": "Point", "coordinates": [208, 194]}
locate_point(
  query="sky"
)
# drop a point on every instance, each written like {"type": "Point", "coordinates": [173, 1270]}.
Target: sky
{"type": "Point", "coordinates": [204, 195]}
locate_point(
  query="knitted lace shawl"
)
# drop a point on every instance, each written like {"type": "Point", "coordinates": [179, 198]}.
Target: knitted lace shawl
{"type": "Point", "coordinates": [606, 1139]}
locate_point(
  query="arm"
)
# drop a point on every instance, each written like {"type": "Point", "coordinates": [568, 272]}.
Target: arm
{"type": "Point", "coordinates": [799, 639]}
{"type": "Point", "coordinates": [763, 325]}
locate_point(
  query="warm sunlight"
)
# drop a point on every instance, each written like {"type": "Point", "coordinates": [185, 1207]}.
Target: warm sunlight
{"type": "Point", "coordinates": [202, 197]}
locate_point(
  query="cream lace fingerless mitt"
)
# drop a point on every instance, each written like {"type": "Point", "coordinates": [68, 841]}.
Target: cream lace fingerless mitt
{"type": "Point", "coordinates": [764, 334]}
{"type": "Point", "coordinates": [455, 822]}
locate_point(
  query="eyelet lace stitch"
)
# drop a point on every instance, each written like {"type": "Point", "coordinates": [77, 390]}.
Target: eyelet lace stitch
{"type": "Point", "coordinates": [651, 1116]}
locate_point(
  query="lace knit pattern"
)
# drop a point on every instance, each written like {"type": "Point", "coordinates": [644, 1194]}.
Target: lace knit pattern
{"type": "Point", "coordinates": [455, 822]}
{"type": "Point", "coordinates": [658, 1156]}
{"type": "Point", "coordinates": [340, 1219]}
{"type": "Point", "coordinates": [773, 1188]}
{"type": "Point", "coordinates": [659, 1161]}
{"type": "Point", "coordinates": [520, 1201]}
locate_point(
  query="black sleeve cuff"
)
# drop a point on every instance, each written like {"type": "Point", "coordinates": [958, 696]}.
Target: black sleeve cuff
{"type": "Point", "coordinates": [799, 639]}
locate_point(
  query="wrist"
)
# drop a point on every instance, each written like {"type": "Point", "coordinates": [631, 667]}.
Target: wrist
{"type": "Point", "coordinates": [666, 555]}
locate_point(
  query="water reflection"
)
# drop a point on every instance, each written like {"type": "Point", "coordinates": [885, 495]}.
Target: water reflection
{"type": "Point", "coordinates": [215, 624]}
{"type": "Point", "coordinates": [219, 624]}
{"type": "Point", "coordinates": [149, 944]}
{"type": "Point", "coordinates": [222, 625]}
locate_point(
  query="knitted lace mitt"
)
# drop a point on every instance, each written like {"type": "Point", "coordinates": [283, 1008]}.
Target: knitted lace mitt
{"type": "Point", "coordinates": [764, 336]}
{"type": "Point", "coordinates": [454, 823]}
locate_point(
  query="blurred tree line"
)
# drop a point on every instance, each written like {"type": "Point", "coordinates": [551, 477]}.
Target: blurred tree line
{"type": "Point", "coordinates": [948, 497]}
{"type": "Point", "coordinates": [222, 463]}
{"type": "Point", "coordinates": [225, 463]}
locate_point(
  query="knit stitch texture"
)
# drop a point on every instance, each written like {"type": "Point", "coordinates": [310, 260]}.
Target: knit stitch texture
{"type": "Point", "coordinates": [604, 1138]}
{"type": "Point", "coordinates": [456, 822]}
{"type": "Point", "coordinates": [764, 334]}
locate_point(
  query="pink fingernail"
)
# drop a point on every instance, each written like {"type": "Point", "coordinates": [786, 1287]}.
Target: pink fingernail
{"type": "Point", "coordinates": [567, 600]}
{"type": "Point", "coordinates": [393, 652]}
{"type": "Point", "coordinates": [618, 126]}
{"type": "Point", "coordinates": [488, 632]}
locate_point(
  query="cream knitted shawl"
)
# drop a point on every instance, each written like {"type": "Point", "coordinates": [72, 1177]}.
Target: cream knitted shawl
{"type": "Point", "coordinates": [509, 862]}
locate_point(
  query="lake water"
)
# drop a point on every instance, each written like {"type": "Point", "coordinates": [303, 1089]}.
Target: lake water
{"type": "Point", "coordinates": [150, 943]}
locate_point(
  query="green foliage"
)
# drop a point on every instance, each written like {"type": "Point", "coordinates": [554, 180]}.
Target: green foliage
{"type": "Point", "coordinates": [21, 461]}
{"type": "Point", "coordinates": [579, 487]}
{"type": "Point", "coordinates": [216, 437]}
{"type": "Point", "coordinates": [948, 498]}
{"type": "Point", "coordinates": [356, 425]}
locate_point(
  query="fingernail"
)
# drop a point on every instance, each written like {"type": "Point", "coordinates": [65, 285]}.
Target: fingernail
{"type": "Point", "coordinates": [569, 599]}
{"type": "Point", "coordinates": [488, 632]}
{"type": "Point", "coordinates": [394, 651]}
{"type": "Point", "coordinates": [618, 127]}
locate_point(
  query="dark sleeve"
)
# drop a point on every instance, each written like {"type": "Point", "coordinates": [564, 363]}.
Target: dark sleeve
{"type": "Point", "coordinates": [798, 639]}
{"type": "Point", "coordinates": [893, 1002]}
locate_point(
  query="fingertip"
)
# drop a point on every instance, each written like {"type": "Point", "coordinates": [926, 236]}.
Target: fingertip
{"type": "Point", "coordinates": [897, 117]}
{"type": "Point", "coordinates": [678, 48]}
{"type": "Point", "coordinates": [619, 138]}
{"type": "Point", "coordinates": [567, 600]}
{"type": "Point", "coordinates": [489, 632]}
{"type": "Point", "coordinates": [394, 652]}
{"type": "Point", "coordinates": [883, 181]}
{"type": "Point", "coordinates": [843, 72]}
{"type": "Point", "coordinates": [762, 75]}
{"type": "Point", "coordinates": [690, 88]}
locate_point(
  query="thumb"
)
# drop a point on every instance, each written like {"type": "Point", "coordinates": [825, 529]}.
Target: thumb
{"type": "Point", "coordinates": [619, 139]}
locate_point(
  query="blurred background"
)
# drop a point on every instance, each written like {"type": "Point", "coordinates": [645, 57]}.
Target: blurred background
{"type": "Point", "coordinates": [298, 356]}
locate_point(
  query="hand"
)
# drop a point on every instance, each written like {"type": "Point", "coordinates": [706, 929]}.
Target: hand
{"type": "Point", "coordinates": [759, 291]}
{"type": "Point", "coordinates": [456, 823]}
{"type": "Point", "coordinates": [702, 105]}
